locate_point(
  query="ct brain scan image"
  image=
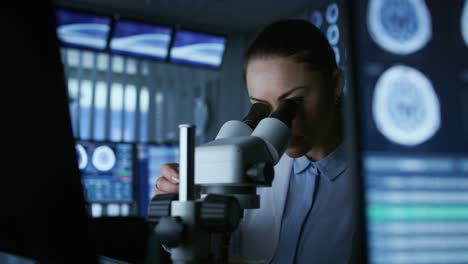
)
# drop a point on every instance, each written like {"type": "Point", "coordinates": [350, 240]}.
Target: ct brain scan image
{"type": "Point", "coordinates": [464, 23]}
{"type": "Point", "coordinates": [399, 26]}
{"type": "Point", "coordinates": [333, 34]}
{"type": "Point", "coordinates": [103, 158]}
{"type": "Point", "coordinates": [316, 18]}
{"type": "Point", "coordinates": [82, 156]}
{"type": "Point", "coordinates": [332, 13]}
{"type": "Point", "coordinates": [405, 106]}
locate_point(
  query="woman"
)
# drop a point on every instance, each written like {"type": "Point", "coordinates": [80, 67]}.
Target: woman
{"type": "Point", "coordinates": [308, 215]}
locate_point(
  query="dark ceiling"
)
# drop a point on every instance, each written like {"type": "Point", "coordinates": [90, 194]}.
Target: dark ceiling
{"type": "Point", "coordinates": [214, 15]}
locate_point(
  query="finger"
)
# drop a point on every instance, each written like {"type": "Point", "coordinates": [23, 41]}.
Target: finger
{"type": "Point", "coordinates": [170, 171]}
{"type": "Point", "coordinates": [165, 186]}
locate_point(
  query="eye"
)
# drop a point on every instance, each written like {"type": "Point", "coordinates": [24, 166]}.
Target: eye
{"type": "Point", "coordinates": [297, 99]}
{"type": "Point", "coordinates": [262, 103]}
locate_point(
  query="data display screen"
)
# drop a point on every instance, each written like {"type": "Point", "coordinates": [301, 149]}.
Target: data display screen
{"type": "Point", "coordinates": [150, 160]}
{"type": "Point", "coordinates": [107, 171]}
{"type": "Point", "coordinates": [411, 90]}
{"type": "Point", "coordinates": [140, 39]}
{"type": "Point", "coordinates": [198, 48]}
{"type": "Point", "coordinates": [82, 30]}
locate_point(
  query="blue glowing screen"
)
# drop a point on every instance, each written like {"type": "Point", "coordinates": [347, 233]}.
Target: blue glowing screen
{"type": "Point", "coordinates": [150, 160]}
{"type": "Point", "coordinates": [139, 39]}
{"type": "Point", "coordinates": [107, 171]}
{"type": "Point", "coordinates": [413, 130]}
{"type": "Point", "coordinates": [82, 30]}
{"type": "Point", "coordinates": [198, 48]}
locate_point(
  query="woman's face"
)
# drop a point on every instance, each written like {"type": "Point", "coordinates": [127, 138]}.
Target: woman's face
{"type": "Point", "coordinates": [273, 79]}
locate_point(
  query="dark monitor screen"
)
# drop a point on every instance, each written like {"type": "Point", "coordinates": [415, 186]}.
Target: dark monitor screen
{"type": "Point", "coordinates": [198, 49]}
{"type": "Point", "coordinates": [82, 30]}
{"type": "Point", "coordinates": [411, 79]}
{"type": "Point", "coordinates": [43, 214]}
{"type": "Point", "coordinates": [107, 171]}
{"type": "Point", "coordinates": [140, 39]}
{"type": "Point", "coordinates": [150, 160]}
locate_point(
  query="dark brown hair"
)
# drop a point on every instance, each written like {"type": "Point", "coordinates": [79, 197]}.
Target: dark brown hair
{"type": "Point", "coordinates": [294, 38]}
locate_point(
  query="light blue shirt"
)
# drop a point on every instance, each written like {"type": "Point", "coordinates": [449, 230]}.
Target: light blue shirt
{"type": "Point", "coordinates": [294, 245]}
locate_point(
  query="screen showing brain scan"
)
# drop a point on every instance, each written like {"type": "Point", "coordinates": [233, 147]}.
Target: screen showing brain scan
{"type": "Point", "coordinates": [107, 171]}
{"type": "Point", "coordinates": [405, 107]}
{"type": "Point", "coordinates": [334, 25]}
{"type": "Point", "coordinates": [413, 129]}
{"type": "Point", "coordinates": [399, 26]}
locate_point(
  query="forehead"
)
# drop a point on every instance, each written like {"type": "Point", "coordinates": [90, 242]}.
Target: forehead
{"type": "Point", "coordinates": [277, 75]}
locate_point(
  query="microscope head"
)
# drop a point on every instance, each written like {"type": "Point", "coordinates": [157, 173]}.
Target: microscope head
{"type": "Point", "coordinates": [239, 159]}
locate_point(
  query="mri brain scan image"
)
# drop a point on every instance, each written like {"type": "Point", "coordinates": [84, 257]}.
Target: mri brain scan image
{"type": "Point", "coordinates": [399, 26]}
{"type": "Point", "coordinates": [103, 158]}
{"type": "Point", "coordinates": [333, 34]}
{"type": "Point", "coordinates": [464, 23]}
{"type": "Point", "coordinates": [316, 18]}
{"type": "Point", "coordinates": [82, 156]}
{"type": "Point", "coordinates": [405, 106]}
{"type": "Point", "coordinates": [332, 13]}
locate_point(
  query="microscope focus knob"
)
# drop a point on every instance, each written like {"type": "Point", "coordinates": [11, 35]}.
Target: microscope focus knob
{"type": "Point", "coordinates": [170, 231]}
{"type": "Point", "coordinates": [220, 213]}
{"type": "Point", "coordinates": [160, 206]}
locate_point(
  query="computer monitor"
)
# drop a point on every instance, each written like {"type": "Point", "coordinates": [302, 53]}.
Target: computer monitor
{"type": "Point", "coordinates": [331, 17]}
{"type": "Point", "coordinates": [42, 206]}
{"type": "Point", "coordinates": [140, 39]}
{"type": "Point", "coordinates": [82, 30]}
{"type": "Point", "coordinates": [410, 65]}
{"type": "Point", "coordinates": [199, 49]}
{"type": "Point", "coordinates": [107, 171]}
{"type": "Point", "coordinates": [151, 157]}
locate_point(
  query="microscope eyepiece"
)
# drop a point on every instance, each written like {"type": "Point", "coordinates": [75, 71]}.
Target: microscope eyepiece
{"type": "Point", "coordinates": [257, 112]}
{"type": "Point", "coordinates": [287, 111]}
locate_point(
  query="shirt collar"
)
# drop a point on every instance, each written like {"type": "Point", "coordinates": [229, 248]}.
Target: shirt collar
{"type": "Point", "coordinates": [330, 167]}
{"type": "Point", "coordinates": [301, 164]}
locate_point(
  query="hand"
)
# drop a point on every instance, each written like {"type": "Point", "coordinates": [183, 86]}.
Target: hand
{"type": "Point", "coordinates": [169, 180]}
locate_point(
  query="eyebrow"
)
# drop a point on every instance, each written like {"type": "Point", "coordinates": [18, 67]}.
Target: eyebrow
{"type": "Point", "coordinates": [281, 96]}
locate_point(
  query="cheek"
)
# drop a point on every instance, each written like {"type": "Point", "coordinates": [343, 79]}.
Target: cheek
{"type": "Point", "coordinates": [307, 119]}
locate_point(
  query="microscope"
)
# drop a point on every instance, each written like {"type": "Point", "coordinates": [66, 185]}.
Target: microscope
{"type": "Point", "coordinates": [227, 171]}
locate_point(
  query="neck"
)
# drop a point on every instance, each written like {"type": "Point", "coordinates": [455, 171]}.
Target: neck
{"type": "Point", "coordinates": [328, 142]}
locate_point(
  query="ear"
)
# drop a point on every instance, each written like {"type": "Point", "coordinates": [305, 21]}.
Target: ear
{"type": "Point", "coordinates": [338, 80]}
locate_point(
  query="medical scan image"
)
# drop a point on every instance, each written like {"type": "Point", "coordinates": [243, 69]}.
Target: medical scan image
{"type": "Point", "coordinates": [103, 158]}
{"type": "Point", "coordinates": [333, 34]}
{"type": "Point", "coordinates": [405, 106]}
{"type": "Point", "coordinates": [332, 13]}
{"type": "Point", "coordinates": [82, 156]}
{"type": "Point", "coordinates": [399, 26]}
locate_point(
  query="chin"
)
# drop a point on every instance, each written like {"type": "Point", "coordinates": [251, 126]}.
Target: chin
{"type": "Point", "coordinates": [295, 152]}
